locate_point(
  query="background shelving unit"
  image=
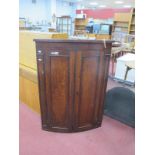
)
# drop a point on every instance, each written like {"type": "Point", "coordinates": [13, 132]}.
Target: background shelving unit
{"type": "Point", "coordinates": [64, 24]}
{"type": "Point", "coordinates": [121, 22]}
{"type": "Point", "coordinates": [124, 22]}
{"type": "Point", "coordinates": [80, 25]}
{"type": "Point", "coordinates": [132, 23]}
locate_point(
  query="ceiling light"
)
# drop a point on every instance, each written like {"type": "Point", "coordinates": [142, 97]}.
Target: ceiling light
{"type": "Point", "coordinates": [102, 6]}
{"type": "Point", "coordinates": [119, 2]}
{"type": "Point", "coordinates": [93, 3]}
{"type": "Point", "coordinates": [127, 6]}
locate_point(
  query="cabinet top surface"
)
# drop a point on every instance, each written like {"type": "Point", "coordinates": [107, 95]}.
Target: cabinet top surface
{"type": "Point", "coordinates": [73, 41]}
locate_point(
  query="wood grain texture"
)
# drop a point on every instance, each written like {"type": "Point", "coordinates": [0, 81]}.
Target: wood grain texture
{"type": "Point", "coordinates": [28, 93]}
{"type": "Point", "coordinates": [28, 73]}
{"type": "Point", "coordinates": [123, 17]}
{"type": "Point", "coordinates": [59, 84]}
{"type": "Point", "coordinates": [72, 82]}
{"type": "Point", "coordinates": [87, 78]}
{"type": "Point", "coordinates": [103, 36]}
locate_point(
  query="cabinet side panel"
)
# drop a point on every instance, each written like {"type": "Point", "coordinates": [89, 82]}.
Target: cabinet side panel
{"type": "Point", "coordinates": [59, 83]}
{"type": "Point", "coordinates": [42, 89]}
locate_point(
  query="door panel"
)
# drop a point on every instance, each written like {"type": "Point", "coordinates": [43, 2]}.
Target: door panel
{"type": "Point", "coordinates": [87, 90]}
{"type": "Point", "coordinates": [59, 83]}
{"type": "Point", "coordinates": [58, 90]}
{"type": "Point", "coordinates": [87, 70]}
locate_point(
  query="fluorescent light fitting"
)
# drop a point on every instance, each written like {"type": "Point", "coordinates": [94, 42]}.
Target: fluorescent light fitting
{"type": "Point", "coordinates": [102, 6]}
{"type": "Point", "coordinates": [119, 2]}
{"type": "Point", "coordinates": [127, 6]}
{"type": "Point", "coordinates": [93, 3]}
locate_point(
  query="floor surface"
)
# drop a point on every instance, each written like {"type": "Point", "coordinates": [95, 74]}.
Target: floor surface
{"type": "Point", "coordinates": [112, 138]}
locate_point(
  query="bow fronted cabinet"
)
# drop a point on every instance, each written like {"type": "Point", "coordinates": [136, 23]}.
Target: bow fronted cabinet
{"type": "Point", "coordinates": [72, 77]}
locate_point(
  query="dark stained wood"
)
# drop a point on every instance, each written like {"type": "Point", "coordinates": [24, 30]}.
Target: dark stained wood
{"type": "Point", "coordinates": [86, 84]}
{"type": "Point", "coordinates": [72, 82]}
{"type": "Point", "coordinates": [42, 90]}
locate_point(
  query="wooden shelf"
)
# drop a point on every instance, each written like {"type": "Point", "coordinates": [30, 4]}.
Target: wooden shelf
{"type": "Point", "coordinates": [124, 21]}
{"type": "Point", "coordinates": [121, 26]}
{"type": "Point", "coordinates": [80, 24]}
{"type": "Point", "coordinates": [122, 17]}
{"type": "Point", "coordinates": [132, 25]}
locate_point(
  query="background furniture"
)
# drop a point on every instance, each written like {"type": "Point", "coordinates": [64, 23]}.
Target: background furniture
{"type": "Point", "coordinates": [115, 53]}
{"type": "Point", "coordinates": [72, 83]}
{"type": "Point", "coordinates": [28, 88]}
{"type": "Point", "coordinates": [80, 25]}
{"type": "Point", "coordinates": [121, 22]}
{"type": "Point", "coordinates": [129, 65]}
{"type": "Point", "coordinates": [132, 22]}
{"type": "Point", "coordinates": [121, 68]}
{"type": "Point", "coordinates": [126, 43]}
{"type": "Point", "coordinates": [103, 36]}
{"type": "Point", "coordinates": [28, 83]}
{"type": "Point", "coordinates": [64, 24]}
{"type": "Point", "coordinates": [51, 30]}
{"type": "Point", "coordinates": [120, 105]}
{"type": "Point", "coordinates": [124, 22]}
{"type": "Point", "coordinates": [80, 33]}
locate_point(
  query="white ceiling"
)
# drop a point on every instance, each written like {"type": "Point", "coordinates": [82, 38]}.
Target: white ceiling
{"type": "Point", "coordinates": [107, 3]}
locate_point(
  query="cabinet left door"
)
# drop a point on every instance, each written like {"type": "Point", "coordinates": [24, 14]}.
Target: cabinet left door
{"type": "Point", "coordinates": [55, 72]}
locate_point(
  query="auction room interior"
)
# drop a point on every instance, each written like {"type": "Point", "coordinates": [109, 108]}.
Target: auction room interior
{"type": "Point", "coordinates": [77, 77]}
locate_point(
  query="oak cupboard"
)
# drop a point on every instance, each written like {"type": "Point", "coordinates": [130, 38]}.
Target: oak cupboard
{"type": "Point", "coordinates": [72, 77]}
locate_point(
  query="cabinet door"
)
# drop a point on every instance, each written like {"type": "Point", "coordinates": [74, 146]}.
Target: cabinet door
{"type": "Point", "coordinates": [58, 89]}
{"type": "Point", "coordinates": [88, 77]}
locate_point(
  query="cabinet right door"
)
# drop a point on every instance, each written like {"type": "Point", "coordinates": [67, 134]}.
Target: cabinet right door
{"type": "Point", "coordinates": [89, 83]}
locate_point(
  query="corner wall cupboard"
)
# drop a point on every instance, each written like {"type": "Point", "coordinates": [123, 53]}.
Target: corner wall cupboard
{"type": "Point", "coordinates": [72, 77]}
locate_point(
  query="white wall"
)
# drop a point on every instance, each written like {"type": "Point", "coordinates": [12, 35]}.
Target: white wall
{"type": "Point", "coordinates": [64, 8]}
{"type": "Point", "coordinates": [41, 11]}
{"type": "Point", "coordinates": [35, 12]}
